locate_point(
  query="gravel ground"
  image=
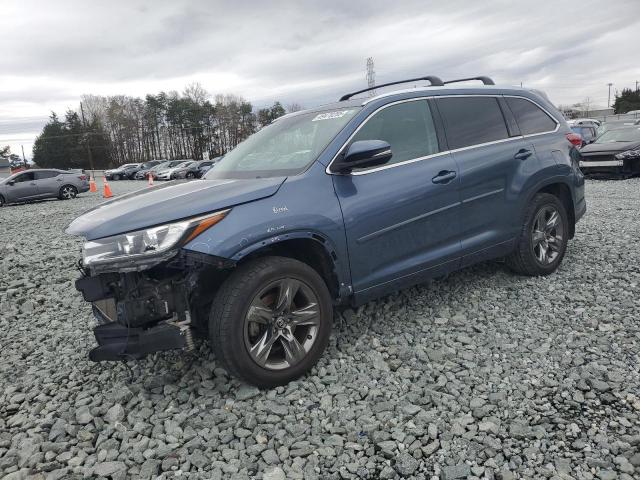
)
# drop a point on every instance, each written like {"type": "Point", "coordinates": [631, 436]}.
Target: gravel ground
{"type": "Point", "coordinates": [480, 375]}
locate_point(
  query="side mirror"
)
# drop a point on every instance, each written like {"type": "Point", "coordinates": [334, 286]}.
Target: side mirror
{"type": "Point", "coordinates": [11, 182]}
{"type": "Point", "coordinates": [365, 153]}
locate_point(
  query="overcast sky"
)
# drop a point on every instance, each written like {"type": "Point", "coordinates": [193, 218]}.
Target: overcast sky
{"type": "Point", "coordinates": [52, 52]}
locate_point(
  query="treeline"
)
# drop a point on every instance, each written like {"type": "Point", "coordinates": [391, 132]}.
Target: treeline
{"type": "Point", "coordinates": [627, 100]}
{"type": "Point", "coordinates": [110, 131]}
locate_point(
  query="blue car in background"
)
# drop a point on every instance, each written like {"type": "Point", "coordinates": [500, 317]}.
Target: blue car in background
{"type": "Point", "coordinates": [327, 208]}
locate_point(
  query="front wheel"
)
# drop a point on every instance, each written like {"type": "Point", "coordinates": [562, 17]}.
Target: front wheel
{"type": "Point", "coordinates": [271, 320]}
{"type": "Point", "coordinates": [2, 201]}
{"type": "Point", "coordinates": [68, 192]}
{"type": "Point", "coordinates": [543, 239]}
{"type": "Point", "coordinates": [190, 175]}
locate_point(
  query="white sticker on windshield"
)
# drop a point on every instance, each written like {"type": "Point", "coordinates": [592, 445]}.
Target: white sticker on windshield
{"type": "Point", "coordinates": [331, 115]}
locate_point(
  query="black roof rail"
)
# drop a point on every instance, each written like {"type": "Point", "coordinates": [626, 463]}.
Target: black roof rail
{"type": "Point", "coordinates": [485, 80]}
{"type": "Point", "coordinates": [435, 82]}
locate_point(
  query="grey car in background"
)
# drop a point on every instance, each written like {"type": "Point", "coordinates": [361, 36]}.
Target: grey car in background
{"type": "Point", "coordinates": [42, 183]}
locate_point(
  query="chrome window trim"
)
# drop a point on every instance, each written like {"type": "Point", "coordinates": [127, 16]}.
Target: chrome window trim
{"type": "Point", "coordinates": [445, 152]}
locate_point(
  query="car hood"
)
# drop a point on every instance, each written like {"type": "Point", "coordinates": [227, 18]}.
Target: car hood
{"type": "Point", "coordinates": [168, 203]}
{"type": "Point", "coordinates": [613, 147]}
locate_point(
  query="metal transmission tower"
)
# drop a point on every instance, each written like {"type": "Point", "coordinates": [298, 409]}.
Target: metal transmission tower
{"type": "Point", "coordinates": [371, 76]}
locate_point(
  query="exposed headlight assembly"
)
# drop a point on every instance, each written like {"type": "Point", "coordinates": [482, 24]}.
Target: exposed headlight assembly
{"type": "Point", "coordinates": [142, 249]}
{"type": "Point", "coordinates": [629, 154]}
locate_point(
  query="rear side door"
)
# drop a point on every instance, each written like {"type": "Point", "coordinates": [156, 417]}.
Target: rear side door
{"type": "Point", "coordinates": [490, 156]}
{"type": "Point", "coordinates": [24, 188]}
{"type": "Point", "coordinates": [401, 219]}
{"type": "Point", "coordinates": [48, 182]}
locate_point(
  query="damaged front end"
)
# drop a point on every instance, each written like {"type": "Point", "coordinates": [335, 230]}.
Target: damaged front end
{"type": "Point", "coordinates": [147, 293]}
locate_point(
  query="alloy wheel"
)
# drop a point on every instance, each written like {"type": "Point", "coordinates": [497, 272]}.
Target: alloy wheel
{"type": "Point", "coordinates": [68, 193]}
{"type": "Point", "coordinates": [281, 324]}
{"type": "Point", "coordinates": [547, 235]}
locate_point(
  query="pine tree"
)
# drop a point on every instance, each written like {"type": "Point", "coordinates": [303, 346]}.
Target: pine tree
{"type": "Point", "coordinates": [627, 100]}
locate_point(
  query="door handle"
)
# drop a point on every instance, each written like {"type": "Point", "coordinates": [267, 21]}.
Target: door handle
{"type": "Point", "coordinates": [444, 176]}
{"type": "Point", "coordinates": [523, 154]}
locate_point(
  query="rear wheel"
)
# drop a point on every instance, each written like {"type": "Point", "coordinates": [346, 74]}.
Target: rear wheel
{"type": "Point", "coordinates": [543, 238]}
{"type": "Point", "coordinates": [116, 177]}
{"type": "Point", "coordinates": [191, 175]}
{"type": "Point", "coordinates": [271, 320]}
{"type": "Point", "coordinates": [67, 192]}
{"type": "Point", "coordinates": [2, 201]}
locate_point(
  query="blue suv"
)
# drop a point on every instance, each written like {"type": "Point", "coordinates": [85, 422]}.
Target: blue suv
{"type": "Point", "coordinates": [328, 208]}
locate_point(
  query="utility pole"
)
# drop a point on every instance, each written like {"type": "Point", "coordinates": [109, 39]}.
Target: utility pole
{"type": "Point", "coordinates": [86, 140]}
{"type": "Point", "coordinates": [371, 76]}
{"type": "Point", "coordinates": [609, 97]}
{"type": "Point", "coordinates": [636, 85]}
{"type": "Point", "coordinates": [24, 160]}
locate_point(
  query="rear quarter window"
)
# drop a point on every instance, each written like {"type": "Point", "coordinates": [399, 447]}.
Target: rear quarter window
{"type": "Point", "coordinates": [530, 118]}
{"type": "Point", "coordinates": [472, 120]}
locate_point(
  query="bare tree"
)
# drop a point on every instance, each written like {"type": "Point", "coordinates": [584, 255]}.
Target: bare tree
{"type": "Point", "coordinates": [294, 107]}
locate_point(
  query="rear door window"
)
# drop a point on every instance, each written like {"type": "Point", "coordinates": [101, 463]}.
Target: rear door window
{"type": "Point", "coordinates": [472, 120]}
{"type": "Point", "coordinates": [530, 118]}
{"type": "Point", "coordinates": [41, 175]}
{"type": "Point", "coordinates": [407, 127]}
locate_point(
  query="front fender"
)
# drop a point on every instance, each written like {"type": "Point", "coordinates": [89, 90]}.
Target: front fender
{"type": "Point", "coordinates": [305, 207]}
{"type": "Point", "coordinates": [283, 237]}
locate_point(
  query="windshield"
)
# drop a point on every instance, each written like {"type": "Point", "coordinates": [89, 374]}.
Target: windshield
{"type": "Point", "coordinates": [620, 135]}
{"type": "Point", "coordinates": [286, 147]}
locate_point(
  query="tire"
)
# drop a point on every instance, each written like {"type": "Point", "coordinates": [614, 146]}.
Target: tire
{"type": "Point", "coordinates": [67, 192]}
{"type": "Point", "coordinates": [190, 175]}
{"type": "Point", "coordinates": [543, 239]}
{"type": "Point", "coordinates": [284, 349]}
{"type": "Point", "coordinates": [3, 202]}
{"type": "Point", "coordinates": [116, 177]}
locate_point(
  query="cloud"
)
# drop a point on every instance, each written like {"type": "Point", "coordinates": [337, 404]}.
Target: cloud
{"type": "Point", "coordinates": [306, 51]}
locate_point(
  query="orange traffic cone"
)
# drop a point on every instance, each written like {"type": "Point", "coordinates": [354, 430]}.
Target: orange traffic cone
{"type": "Point", "coordinates": [92, 184]}
{"type": "Point", "coordinates": [150, 180]}
{"type": "Point", "coordinates": [107, 189]}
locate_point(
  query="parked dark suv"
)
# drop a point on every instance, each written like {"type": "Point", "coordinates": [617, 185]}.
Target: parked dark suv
{"type": "Point", "coordinates": [326, 208]}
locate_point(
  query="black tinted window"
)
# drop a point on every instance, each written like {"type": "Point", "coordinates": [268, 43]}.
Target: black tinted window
{"type": "Point", "coordinates": [472, 120]}
{"type": "Point", "coordinates": [530, 118]}
{"type": "Point", "coordinates": [24, 177]}
{"type": "Point", "coordinates": [407, 127]}
{"type": "Point", "coordinates": [40, 175]}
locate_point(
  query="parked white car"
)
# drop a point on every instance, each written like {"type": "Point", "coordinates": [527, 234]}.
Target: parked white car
{"type": "Point", "coordinates": [169, 173]}
{"type": "Point", "coordinates": [591, 122]}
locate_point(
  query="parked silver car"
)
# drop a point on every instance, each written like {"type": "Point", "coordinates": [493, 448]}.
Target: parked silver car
{"type": "Point", "coordinates": [42, 183]}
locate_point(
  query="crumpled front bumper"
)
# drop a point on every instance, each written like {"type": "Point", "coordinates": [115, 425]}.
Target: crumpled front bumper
{"type": "Point", "coordinates": [136, 315]}
{"type": "Point", "coordinates": [144, 311]}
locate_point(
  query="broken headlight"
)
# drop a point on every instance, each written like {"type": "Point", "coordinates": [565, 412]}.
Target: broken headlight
{"type": "Point", "coordinates": [144, 248]}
